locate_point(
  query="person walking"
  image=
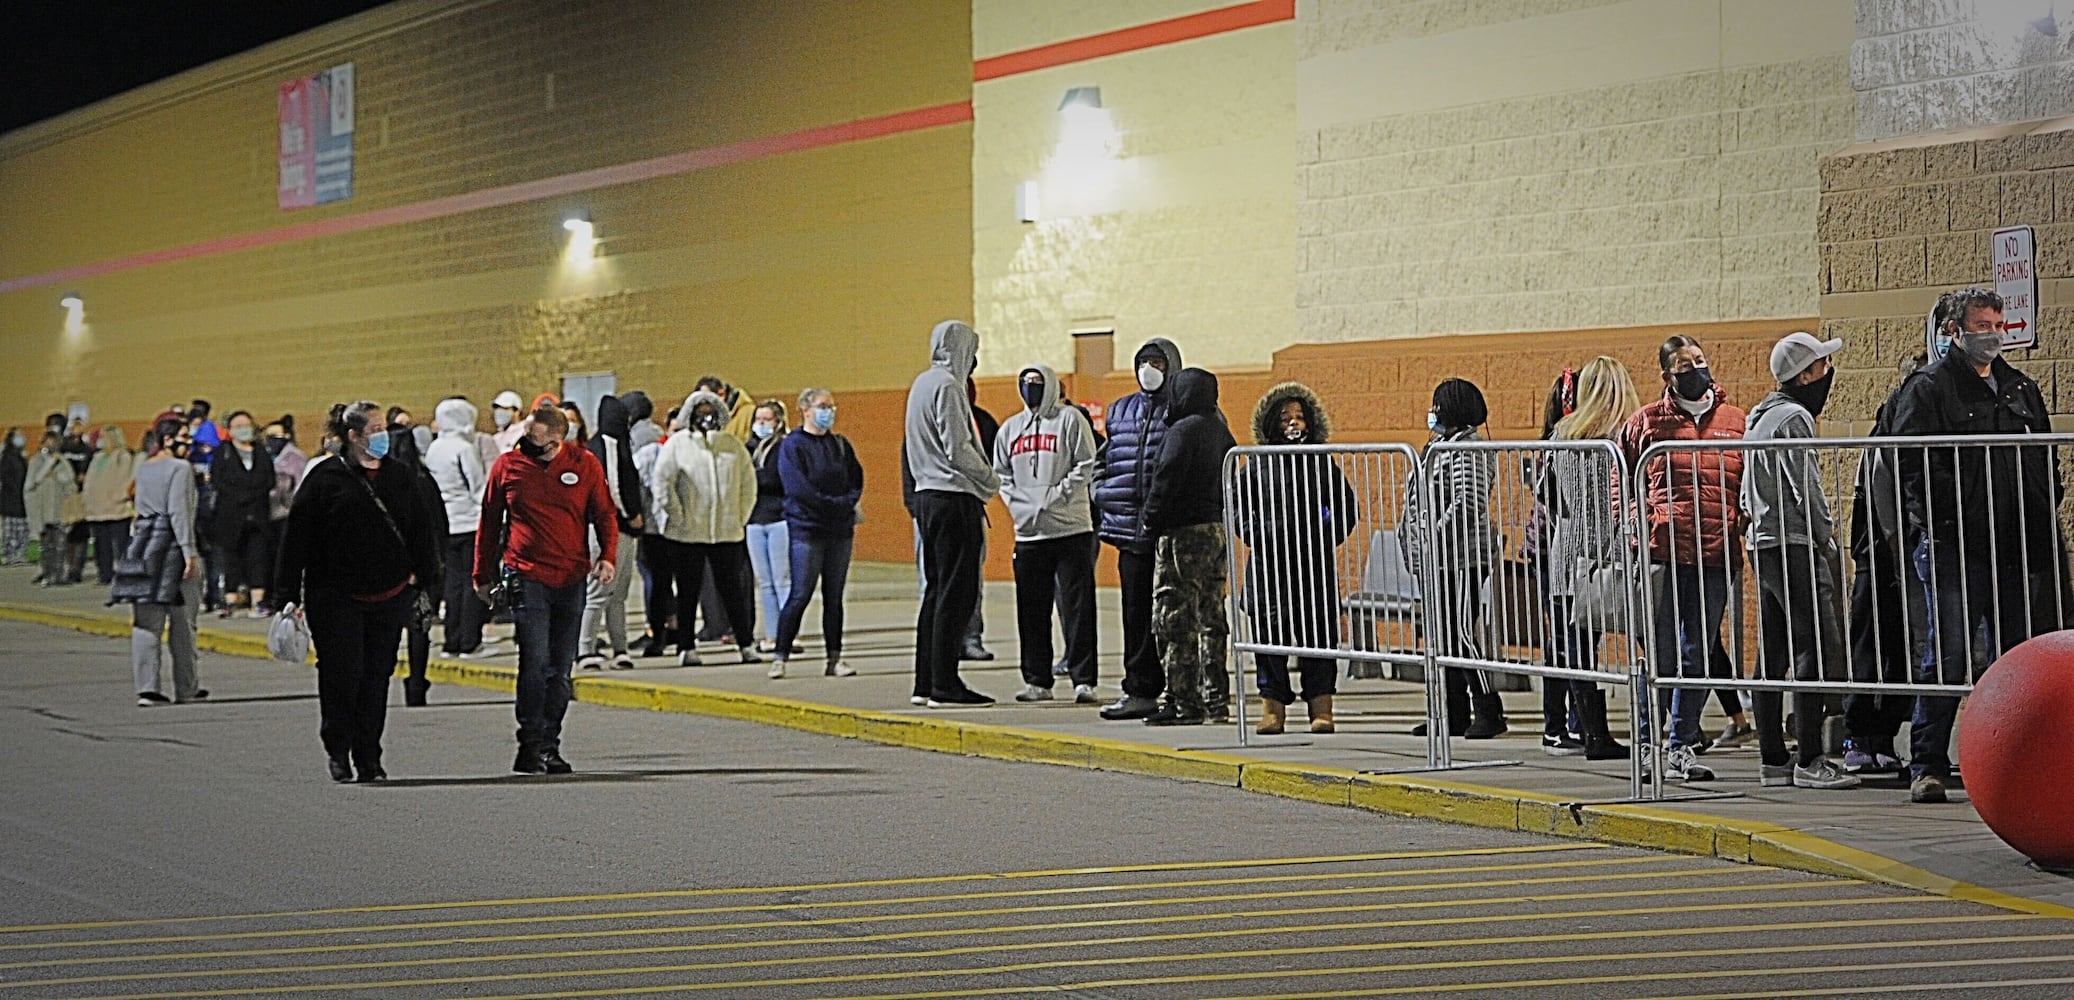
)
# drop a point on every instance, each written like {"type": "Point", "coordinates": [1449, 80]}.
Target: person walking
{"type": "Point", "coordinates": [1296, 511]}
{"type": "Point", "coordinates": [14, 506]}
{"type": "Point", "coordinates": [1586, 532]}
{"type": "Point", "coordinates": [110, 479]}
{"type": "Point", "coordinates": [504, 413]}
{"type": "Point", "coordinates": [770, 542]}
{"type": "Point", "coordinates": [243, 474]}
{"type": "Point", "coordinates": [545, 499]}
{"type": "Point", "coordinates": [605, 601]}
{"type": "Point", "coordinates": [360, 537]}
{"type": "Point", "coordinates": [1690, 510]}
{"type": "Point", "coordinates": [823, 483]}
{"type": "Point", "coordinates": [457, 470]}
{"type": "Point", "coordinates": [165, 588]}
{"type": "Point", "coordinates": [1137, 426]}
{"type": "Point", "coordinates": [1184, 514]}
{"type": "Point", "coordinates": [706, 488]}
{"type": "Point", "coordinates": [953, 480]}
{"type": "Point", "coordinates": [51, 489]}
{"type": "Point", "coordinates": [1463, 550]}
{"type": "Point", "coordinates": [1045, 458]}
{"type": "Point", "coordinates": [1792, 541]}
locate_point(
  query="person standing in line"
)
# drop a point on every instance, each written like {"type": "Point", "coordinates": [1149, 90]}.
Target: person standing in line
{"type": "Point", "coordinates": [1463, 547]}
{"type": "Point", "coordinates": [110, 479]}
{"type": "Point", "coordinates": [1045, 457]}
{"type": "Point", "coordinates": [578, 432]}
{"type": "Point", "coordinates": [1297, 510]}
{"type": "Point", "coordinates": [706, 488]}
{"type": "Point", "coordinates": [504, 414]}
{"type": "Point", "coordinates": [14, 506]}
{"type": "Point", "coordinates": [953, 480]}
{"type": "Point", "coordinates": [50, 486]}
{"type": "Point", "coordinates": [605, 602]}
{"type": "Point", "coordinates": [78, 450]}
{"type": "Point", "coordinates": [1889, 621]}
{"type": "Point", "coordinates": [1561, 700]}
{"type": "Point", "coordinates": [289, 465]}
{"type": "Point", "coordinates": [1586, 531]}
{"type": "Point", "coordinates": [1184, 513]}
{"type": "Point", "coordinates": [736, 411]}
{"type": "Point", "coordinates": [1792, 540]}
{"type": "Point", "coordinates": [1690, 511]}
{"type": "Point", "coordinates": [244, 476]}
{"type": "Point", "coordinates": [737, 416]}
{"type": "Point", "coordinates": [544, 502]}
{"type": "Point", "coordinates": [823, 483]}
{"type": "Point", "coordinates": [166, 595]}
{"type": "Point", "coordinates": [641, 428]}
{"type": "Point", "coordinates": [659, 598]}
{"type": "Point", "coordinates": [360, 537]}
{"type": "Point", "coordinates": [770, 542]}
{"type": "Point", "coordinates": [1137, 426]}
{"type": "Point", "coordinates": [456, 466]}
{"type": "Point", "coordinates": [975, 631]}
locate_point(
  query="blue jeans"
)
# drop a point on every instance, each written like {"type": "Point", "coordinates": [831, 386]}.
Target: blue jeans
{"type": "Point", "coordinates": [548, 621]}
{"type": "Point", "coordinates": [770, 553]}
{"type": "Point", "coordinates": [1688, 624]}
{"type": "Point", "coordinates": [816, 559]}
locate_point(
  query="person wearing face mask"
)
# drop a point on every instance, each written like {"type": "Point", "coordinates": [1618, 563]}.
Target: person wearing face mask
{"type": "Point", "coordinates": [50, 485]}
{"type": "Point", "coordinates": [1984, 524]}
{"type": "Point", "coordinates": [504, 412]}
{"type": "Point", "coordinates": [417, 627]}
{"type": "Point", "coordinates": [578, 432]}
{"type": "Point", "coordinates": [823, 483]}
{"type": "Point", "coordinates": [1690, 510]}
{"type": "Point", "coordinates": [1184, 515]}
{"type": "Point", "coordinates": [953, 481]}
{"type": "Point", "coordinates": [706, 488]}
{"type": "Point", "coordinates": [1792, 541]}
{"type": "Point", "coordinates": [14, 510]}
{"type": "Point", "coordinates": [770, 541]}
{"type": "Point", "coordinates": [1464, 549]}
{"type": "Point", "coordinates": [658, 593]}
{"type": "Point", "coordinates": [606, 603]}
{"type": "Point", "coordinates": [1137, 426]}
{"type": "Point", "coordinates": [289, 466]}
{"type": "Point", "coordinates": [243, 474]}
{"type": "Point", "coordinates": [110, 479]}
{"type": "Point", "coordinates": [360, 536]}
{"type": "Point", "coordinates": [457, 469]}
{"type": "Point", "coordinates": [1045, 457]}
{"type": "Point", "coordinates": [162, 577]}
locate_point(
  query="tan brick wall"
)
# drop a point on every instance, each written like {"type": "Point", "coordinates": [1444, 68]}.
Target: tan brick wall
{"type": "Point", "coordinates": [1944, 65]}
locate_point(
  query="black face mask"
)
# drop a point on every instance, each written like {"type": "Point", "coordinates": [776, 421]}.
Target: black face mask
{"type": "Point", "coordinates": [1692, 384]}
{"type": "Point", "coordinates": [1813, 395]}
{"type": "Point", "coordinates": [275, 444]}
{"type": "Point", "coordinates": [527, 448]}
{"type": "Point", "coordinates": [1033, 395]}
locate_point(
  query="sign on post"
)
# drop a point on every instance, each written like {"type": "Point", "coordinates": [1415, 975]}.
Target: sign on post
{"type": "Point", "coordinates": [2014, 253]}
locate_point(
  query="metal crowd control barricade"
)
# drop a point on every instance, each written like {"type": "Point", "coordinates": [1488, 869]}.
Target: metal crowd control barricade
{"type": "Point", "coordinates": [1314, 556]}
{"type": "Point", "coordinates": [1935, 554]}
{"type": "Point", "coordinates": [1513, 538]}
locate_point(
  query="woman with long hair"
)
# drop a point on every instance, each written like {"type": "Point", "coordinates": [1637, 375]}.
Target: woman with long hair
{"type": "Point", "coordinates": [243, 474]}
{"type": "Point", "coordinates": [1586, 530]}
{"type": "Point", "coordinates": [1464, 547]}
{"type": "Point", "coordinates": [770, 543]}
{"type": "Point", "coordinates": [110, 479]}
{"type": "Point", "coordinates": [162, 572]}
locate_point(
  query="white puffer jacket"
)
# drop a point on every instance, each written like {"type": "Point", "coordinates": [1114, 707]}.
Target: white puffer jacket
{"type": "Point", "coordinates": [705, 487]}
{"type": "Point", "coordinates": [455, 461]}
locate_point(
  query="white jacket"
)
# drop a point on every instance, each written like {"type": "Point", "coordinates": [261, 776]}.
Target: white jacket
{"type": "Point", "coordinates": [705, 487]}
{"type": "Point", "coordinates": [455, 461]}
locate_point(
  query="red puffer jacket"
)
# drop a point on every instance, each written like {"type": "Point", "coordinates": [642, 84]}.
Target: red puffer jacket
{"type": "Point", "coordinates": [1692, 497]}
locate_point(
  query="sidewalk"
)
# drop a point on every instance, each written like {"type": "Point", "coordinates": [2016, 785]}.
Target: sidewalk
{"type": "Point", "coordinates": [1871, 832]}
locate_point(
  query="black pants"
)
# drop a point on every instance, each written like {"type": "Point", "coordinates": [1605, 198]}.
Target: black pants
{"type": "Point", "coordinates": [1143, 674]}
{"type": "Point", "coordinates": [245, 558]}
{"type": "Point", "coordinates": [952, 526]}
{"type": "Point", "coordinates": [688, 564]}
{"type": "Point", "coordinates": [463, 617]}
{"type": "Point", "coordinates": [1888, 629]}
{"type": "Point", "coordinates": [1798, 636]}
{"type": "Point", "coordinates": [111, 540]}
{"type": "Point", "coordinates": [1060, 570]}
{"type": "Point", "coordinates": [356, 655]}
{"type": "Point", "coordinates": [661, 596]}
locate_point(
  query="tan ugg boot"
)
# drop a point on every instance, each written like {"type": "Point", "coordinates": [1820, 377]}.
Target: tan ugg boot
{"type": "Point", "coordinates": [1273, 717]}
{"type": "Point", "coordinates": [1321, 714]}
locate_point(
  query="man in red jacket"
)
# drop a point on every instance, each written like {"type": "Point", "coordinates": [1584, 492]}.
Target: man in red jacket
{"type": "Point", "coordinates": [540, 508]}
{"type": "Point", "coordinates": [1694, 524]}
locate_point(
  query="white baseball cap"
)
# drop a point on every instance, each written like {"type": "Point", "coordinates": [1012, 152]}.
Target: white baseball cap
{"type": "Point", "coordinates": [1796, 351]}
{"type": "Point", "coordinates": [509, 400]}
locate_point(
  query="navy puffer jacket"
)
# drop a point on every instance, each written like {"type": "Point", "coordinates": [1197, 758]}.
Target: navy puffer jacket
{"type": "Point", "coordinates": [1137, 426]}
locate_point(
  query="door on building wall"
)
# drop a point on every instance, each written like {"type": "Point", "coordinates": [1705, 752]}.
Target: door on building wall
{"type": "Point", "coordinates": [585, 391]}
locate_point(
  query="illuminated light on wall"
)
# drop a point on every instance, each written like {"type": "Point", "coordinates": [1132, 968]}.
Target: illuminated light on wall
{"type": "Point", "coordinates": [582, 248]}
{"type": "Point", "coordinates": [75, 314]}
{"type": "Point", "coordinates": [1081, 174]}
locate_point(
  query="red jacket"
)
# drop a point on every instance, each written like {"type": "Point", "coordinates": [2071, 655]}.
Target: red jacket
{"type": "Point", "coordinates": [550, 507]}
{"type": "Point", "coordinates": [1691, 500]}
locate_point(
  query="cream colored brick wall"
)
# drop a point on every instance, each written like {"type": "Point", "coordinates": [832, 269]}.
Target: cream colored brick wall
{"type": "Point", "coordinates": [1188, 232]}
{"type": "Point", "coordinates": [1470, 169]}
{"type": "Point", "coordinates": [1943, 65]}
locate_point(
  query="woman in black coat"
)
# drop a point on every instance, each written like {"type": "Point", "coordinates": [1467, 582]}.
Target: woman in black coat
{"type": "Point", "coordinates": [243, 475]}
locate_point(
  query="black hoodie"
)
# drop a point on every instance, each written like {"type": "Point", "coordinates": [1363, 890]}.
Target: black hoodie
{"type": "Point", "coordinates": [1188, 480]}
{"type": "Point", "coordinates": [616, 454]}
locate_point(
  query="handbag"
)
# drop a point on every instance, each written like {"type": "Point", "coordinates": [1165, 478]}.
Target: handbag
{"type": "Point", "coordinates": [424, 611]}
{"type": "Point", "coordinates": [288, 637]}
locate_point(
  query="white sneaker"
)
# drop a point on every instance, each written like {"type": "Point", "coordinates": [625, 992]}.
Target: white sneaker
{"type": "Point", "coordinates": [915, 699]}
{"type": "Point", "coordinates": [841, 669]}
{"type": "Point", "coordinates": [777, 671]}
{"type": "Point", "coordinates": [1824, 774]}
{"type": "Point", "coordinates": [1032, 692]}
{"type": "Point", "coordinates": [1683, 764]}
{"type": "Point", "coordinates": [689, 658]}
{"type": "Point", "coordinates": [1084, 694]}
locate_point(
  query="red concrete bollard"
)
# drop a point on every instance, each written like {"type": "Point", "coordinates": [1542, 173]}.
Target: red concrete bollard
{"type": "Point", "coordinates": [2020, 711]}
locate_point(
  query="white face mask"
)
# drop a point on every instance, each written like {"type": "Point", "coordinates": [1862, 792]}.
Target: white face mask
{"type": "Point", "coordinates": [502, 417]}
{"type": "Point", "coordinates": [1150, 378]}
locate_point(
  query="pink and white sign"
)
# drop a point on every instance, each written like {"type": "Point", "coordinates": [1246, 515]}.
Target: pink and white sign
{"type": "Point", "coordinates": [298, 161]}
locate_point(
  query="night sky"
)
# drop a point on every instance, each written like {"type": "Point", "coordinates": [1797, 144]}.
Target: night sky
{"type": "Point", "coordinates": [63, 54]}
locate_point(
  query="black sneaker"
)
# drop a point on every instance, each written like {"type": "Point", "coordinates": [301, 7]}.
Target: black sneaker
{"type": "Point", "coordinates": [1564, 745]}
{"type": "Point", "coordinates": [341, 769]}
{"type": "Point", "coordinates": [146, 699]}
{"type": "Point", "coordinates": [655, 647]}
{"type": "Point", "coordinates": [552, 760]}
{"type": "Point", "coordinates": [372, 774]}
{"type": "Point", "coordinates": [1171, 714]}
{"type": "Point", "coordinates": [979, 654]}
{"type": "Point", "coordinates": [528, 761]}
{"type": "Point", "coordinates": [956, 698]}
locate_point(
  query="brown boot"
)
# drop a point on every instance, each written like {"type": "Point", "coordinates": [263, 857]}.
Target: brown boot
{"type": "Point", "coordinates": [1321, 714]}
{"type": "Point", "coordinates": [1273, 717]}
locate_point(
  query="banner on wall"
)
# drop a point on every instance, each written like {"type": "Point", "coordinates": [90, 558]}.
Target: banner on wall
{"type": "Point", "coordinates": [316, 157]}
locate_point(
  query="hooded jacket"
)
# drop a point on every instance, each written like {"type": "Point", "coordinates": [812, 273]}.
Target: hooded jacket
{"type": "Point", "coordinates": [641, 420]}
{"type": "Point", "coordinates": [50, 483]}
{"type": "Point", "coordinates": [338, 540]}
{"type": "Point", "coordinates": [108, 480]}
{"type": "Point", "coordinates": [616, 453]}
{"type": "Point", "coordinates": [705, 485]}
{"type": "Point", "coordinates": [1782, 489]}
{"type": "Point", "coordinates": [244, 494]}
{"type": "Point", "coordinates": [1691, 501]}
{"type": "Point", "coordinates": [1045, 457]}
{"type": "Point", "coordinates": [941, 440]}
{"type": "Point", "coordinates": [456, 464]}
{"type": "Point", "coordinates": [1187, 485]}
{"type": "Point", "coordinates": [1137, 425]}
{"type": "Point", "coordinates": [1293, 512]}
{"type": "Point", "coordinates": [1997, 500]}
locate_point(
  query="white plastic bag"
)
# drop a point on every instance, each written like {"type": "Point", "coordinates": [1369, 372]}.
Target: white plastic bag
{"type": "Point", "coordinates": [288, 638]}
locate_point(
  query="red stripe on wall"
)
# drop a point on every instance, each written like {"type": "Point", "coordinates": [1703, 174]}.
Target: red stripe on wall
{"type": "Point", "coordinates": [587, 180]}
{"type": "Point", "coordinates": [1143, 36]}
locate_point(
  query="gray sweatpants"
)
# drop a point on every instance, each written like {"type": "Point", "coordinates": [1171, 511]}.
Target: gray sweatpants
{"type": "Point", "coordinates": [177, 620]}
{"type": "Point", "coordinates": [609, 603]}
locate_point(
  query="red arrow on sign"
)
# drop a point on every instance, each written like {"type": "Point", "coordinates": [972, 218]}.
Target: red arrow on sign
{"type": "Point", "coordinates": [2018, 325]}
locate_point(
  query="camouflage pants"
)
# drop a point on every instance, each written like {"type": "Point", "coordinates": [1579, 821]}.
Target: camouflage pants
{"type": "Point", "coordinates": [1188, 617]}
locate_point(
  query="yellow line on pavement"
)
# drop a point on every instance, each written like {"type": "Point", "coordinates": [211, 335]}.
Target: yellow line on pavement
{"type": "Point", "coordinates": [1715, 869]}
{"type": "Point", "coordinates": [820, 886]}
{"type": "Point", "coordinates": [1222, 915]}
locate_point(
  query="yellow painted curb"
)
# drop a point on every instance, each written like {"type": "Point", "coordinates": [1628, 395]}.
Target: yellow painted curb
{"type": "Point", "coordinates": [1417, 797]}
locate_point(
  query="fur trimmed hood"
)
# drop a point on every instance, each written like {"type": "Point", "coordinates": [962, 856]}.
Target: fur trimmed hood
{"type": "Point", "coordinates": [1266, 432]}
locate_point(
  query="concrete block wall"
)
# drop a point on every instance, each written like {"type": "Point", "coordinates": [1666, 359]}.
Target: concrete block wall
{"type": "Point", "coordinates": [1942, 65]}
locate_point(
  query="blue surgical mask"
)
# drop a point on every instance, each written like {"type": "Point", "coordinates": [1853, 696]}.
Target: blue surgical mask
{"type": "Point", "coordinates": [824, 417]}
{"type": "Point", "coordinates": [20, 441]}
{"type": "Point", "coordinates": [378, 446]}
{"type": "Point", "coordinates": [762, 430]}
{"type": "Point", "coordinates": [1433, 421]}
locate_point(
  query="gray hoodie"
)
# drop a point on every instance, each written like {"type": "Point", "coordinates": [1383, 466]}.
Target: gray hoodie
{"type": "Point", "coordinates": [1045, 457]}
{"type": "Point", "coordinates": [455, 461]}
{"type": "Point", "coordinates": [943, 451]}
{"type": "Point", "coordinates": [1782, 489]}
